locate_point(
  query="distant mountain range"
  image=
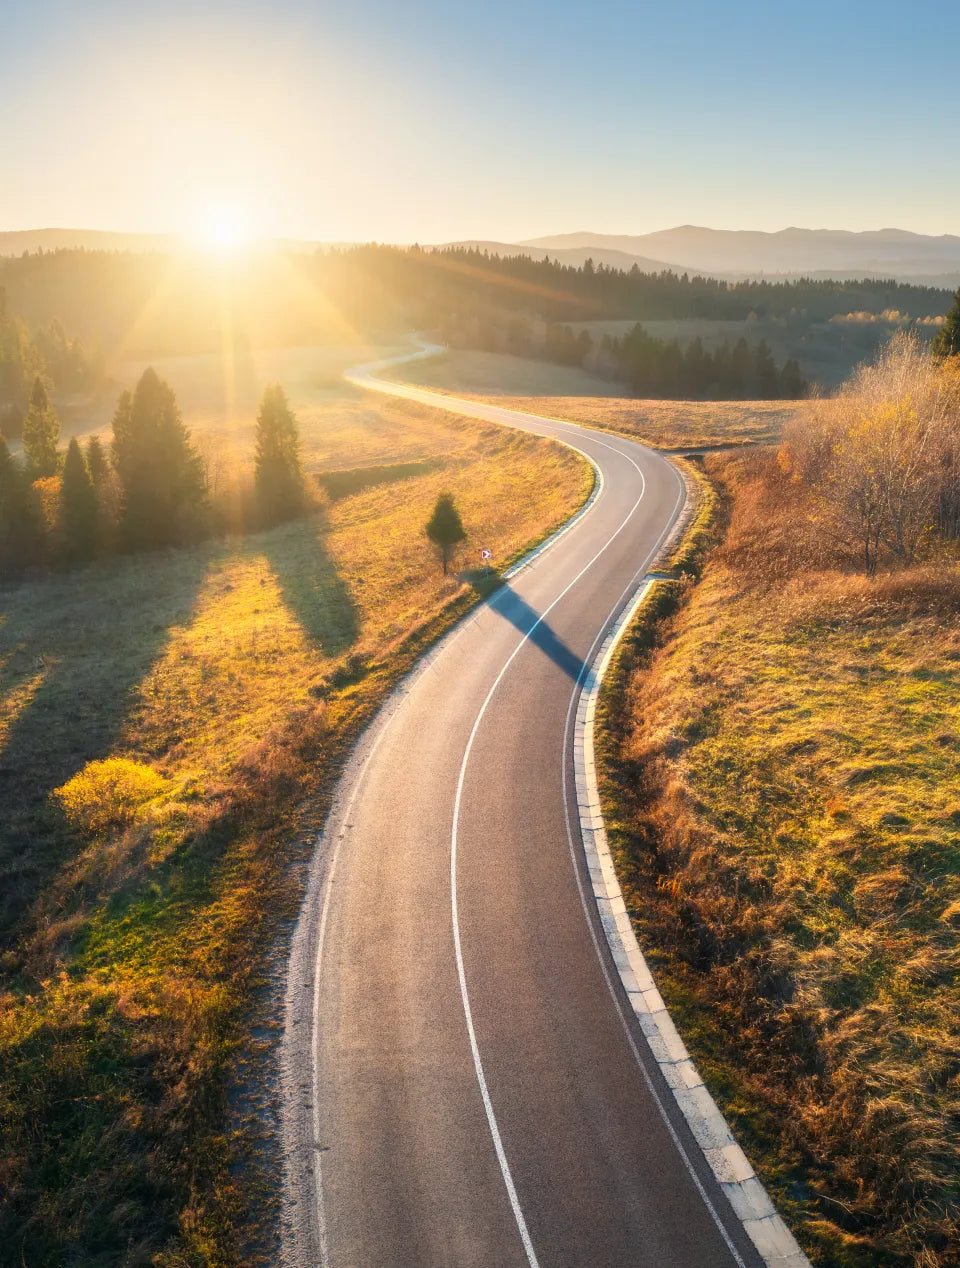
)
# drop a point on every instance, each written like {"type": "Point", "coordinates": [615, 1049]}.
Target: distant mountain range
{"type": "Point", "coordinates": [734, 254]}
{"type": "Point", "coordinates": [17, 241]}
{"type": "Point", "coordinates": [743, 254]}
{"type": "Point", "coordinates": [811, 252]}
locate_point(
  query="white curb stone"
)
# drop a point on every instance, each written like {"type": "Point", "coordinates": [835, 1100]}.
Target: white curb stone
{"type": "Point", "coordinates": [747, 1196]}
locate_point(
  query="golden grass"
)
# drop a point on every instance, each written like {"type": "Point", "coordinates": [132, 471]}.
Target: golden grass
{"type": "Point", "coordinates": [560, 392]}
{"type": "Point", "coordinates": [222, 686]}
{"type": "Point", "coordinates": [783, 775]}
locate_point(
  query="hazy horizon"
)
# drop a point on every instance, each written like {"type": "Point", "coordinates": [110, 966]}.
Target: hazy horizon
{"type": "Point", "coordinates": [437, 123]}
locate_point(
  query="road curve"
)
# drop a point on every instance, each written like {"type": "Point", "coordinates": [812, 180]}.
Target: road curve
{"type": "Point", "coordinates": [460, 1083]}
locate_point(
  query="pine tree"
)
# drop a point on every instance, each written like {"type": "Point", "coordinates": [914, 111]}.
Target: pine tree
{"type": "Point", "coordinates": [792, 383]}
{"type": "Point", "coordinates": [97, 463]}
{"type": "Point", "coordinates": [696, 369]}
{"type": "Point", "coordinates": [741, 369]}
{"type": "Point", "coordinates": [279, 474]}
{"type": "Point", "coordinates": [78, 524]}
{"type": "Point", "coordinates": [445, 529]}
{"type": "Point", "coordinates": [40, 433]}
{"type": "Point", "coordinates": [947, 341]}
{"type": "Point", "coordinates": [765, 377]}
{"type": "Point", "coordinates": [21, 535]}
{"type": "Point", "coordinates": [162, 483]}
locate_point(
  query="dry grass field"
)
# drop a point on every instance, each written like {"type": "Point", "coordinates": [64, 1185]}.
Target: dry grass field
{"type": "Point", "coordinates": [170, 728]}
{"type": "Point", "coordinates": [783, 778]}
{"type": "Point", "coordinates": [561, 392]}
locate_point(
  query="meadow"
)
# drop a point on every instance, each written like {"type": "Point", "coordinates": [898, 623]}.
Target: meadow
{"type": "Point", "coordinates": [782, 785]}
{"type": "Point", "coordinates": [171, 726]}
{"type": "Point", "coordinates": [564, 392]}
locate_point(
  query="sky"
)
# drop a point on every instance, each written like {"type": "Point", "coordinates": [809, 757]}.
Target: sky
{"type": "Point", "coordinates": [438, 120]}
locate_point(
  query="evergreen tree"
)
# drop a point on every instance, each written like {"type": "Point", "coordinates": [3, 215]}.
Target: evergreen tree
{"type": "Point", "coordinates": [279, 474]}
{"type": "Point", "coordinates": [78, 524]}
{"type": "Point", "coordinates": [947, 341]}
{"type": "Point", "coordinates": [445, 528]}
{"type": "Point", "coordinates": [792, 383]}
{"type": "Point", "coordinates": [741, 369]}
{"type": "Point", "coordinates": [21, 534]}
{"type": "Point", "coordinates": [97, 463]}
{"type": "Point", "coordinates": [766, 380]}
{"type": "Point", "coordinates": [163, 496]}
{"type": "Point", "coordinates": [40, 433]}
{"type": "Point", "coordinates": [696, 368]}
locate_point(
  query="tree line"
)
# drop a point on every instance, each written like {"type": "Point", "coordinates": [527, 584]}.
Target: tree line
{"type": "Point", "coordinates": [652, 367]}
{"type": "Point", "coordinates": [158, 307]}
{"type": "Point", "coordinates": [663, 368]}
{"type": "Point", "coordinates": [48, 353]}
{"type": "Point", "coordinates": [145, 490]}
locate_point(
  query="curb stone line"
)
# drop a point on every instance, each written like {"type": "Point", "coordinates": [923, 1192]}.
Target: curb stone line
{"type": "Point", "coordinates": [729, 1164]}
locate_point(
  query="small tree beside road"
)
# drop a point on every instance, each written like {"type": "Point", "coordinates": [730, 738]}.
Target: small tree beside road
{"type": "Point", "coordinates": [445, 529]}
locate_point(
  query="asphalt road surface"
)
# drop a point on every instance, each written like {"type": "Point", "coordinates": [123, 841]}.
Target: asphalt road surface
{"type": "Point", "coordinates": [463, 1071]}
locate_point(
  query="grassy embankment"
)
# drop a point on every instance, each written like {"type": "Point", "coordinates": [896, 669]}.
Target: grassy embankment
{"type": "Point", "coordinates": [561, 392]}
{"type": "Point", "coordinates": [170, 729]}
{"type": "Point", "coordinates": [784, 792]}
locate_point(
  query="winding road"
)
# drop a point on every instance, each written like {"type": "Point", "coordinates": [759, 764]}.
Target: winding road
{"type": "Point", "coordinates": [466, 1083]}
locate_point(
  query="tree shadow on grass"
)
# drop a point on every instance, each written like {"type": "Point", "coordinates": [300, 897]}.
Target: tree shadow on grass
{"type": "Point", "coordinates": [311, 585]}
{"type": "Point", "coordinates": [62, 632]}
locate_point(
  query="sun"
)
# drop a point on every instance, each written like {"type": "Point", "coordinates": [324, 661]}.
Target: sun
{"type": "Point", "coordinates": [224, 229]}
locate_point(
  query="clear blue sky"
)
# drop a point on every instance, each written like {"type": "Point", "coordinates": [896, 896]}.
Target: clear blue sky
{"type": "Point", "coordinates": [435, 119]}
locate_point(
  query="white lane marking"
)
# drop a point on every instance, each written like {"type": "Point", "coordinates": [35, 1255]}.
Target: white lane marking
{"type": "Point", "coordinates": [651, 1087]}
{"type": "Point", "coordinates": [454, 908]}
{"type": "Point", "coordinates": [445, 402]}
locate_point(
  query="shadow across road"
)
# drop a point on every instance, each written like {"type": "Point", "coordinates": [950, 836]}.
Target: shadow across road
{"type": "Point", "coordinates": [508, 604]}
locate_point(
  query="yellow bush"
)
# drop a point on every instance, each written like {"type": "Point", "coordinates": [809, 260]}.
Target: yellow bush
{"type": "Point", "coordinates": [47, 492]}
{"type": "Point", "coordinates": [108, 793]}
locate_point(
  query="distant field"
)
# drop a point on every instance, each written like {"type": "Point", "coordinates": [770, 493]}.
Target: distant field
{"type": "Point", "coordinates": [137, 898]}
{"type": "Point", "coordinates": [560, 392]}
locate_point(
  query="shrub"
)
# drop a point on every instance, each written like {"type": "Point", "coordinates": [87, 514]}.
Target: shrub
{"type": "Point", "coordinates": [108, 794]}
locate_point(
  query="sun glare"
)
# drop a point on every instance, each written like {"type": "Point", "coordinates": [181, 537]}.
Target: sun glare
{"type": "Point", "coordinates": [225, 230]}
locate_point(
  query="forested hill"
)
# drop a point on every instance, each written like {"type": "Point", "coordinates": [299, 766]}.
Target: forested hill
{"type": "Point", "coordinates": [150, 304]}
{"type": "Point", "coordinates": [587, 292]}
